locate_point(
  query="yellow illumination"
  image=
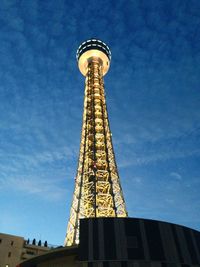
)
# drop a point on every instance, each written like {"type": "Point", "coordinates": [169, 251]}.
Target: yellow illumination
{"type": "Point", "coordinates": [87, 56]}
{"type": "Point", "coordinates": [97, 190]}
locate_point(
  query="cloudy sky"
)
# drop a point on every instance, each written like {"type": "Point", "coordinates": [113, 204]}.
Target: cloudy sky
{"type": "Point", "coordinates": [153, 98]}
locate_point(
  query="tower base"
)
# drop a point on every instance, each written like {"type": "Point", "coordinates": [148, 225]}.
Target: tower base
{"type": "Point", "coordinates": [126, 242]}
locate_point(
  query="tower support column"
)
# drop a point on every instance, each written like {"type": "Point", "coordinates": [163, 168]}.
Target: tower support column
{"type": "Point", "coordinates": [98, 191]}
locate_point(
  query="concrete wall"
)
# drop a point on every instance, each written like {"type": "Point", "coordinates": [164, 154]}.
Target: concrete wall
{"type": "Point", "coordinates": [68, 261]}
{"type": "Point", "coordinates": [14, 249]}
{"type": "Point", "coordinates": [10, 250]}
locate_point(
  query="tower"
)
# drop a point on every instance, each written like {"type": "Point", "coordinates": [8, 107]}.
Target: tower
{"type": "Point", "coordinates": [105, 238]}
{"type": "Point", "coordinates": [97, 192]}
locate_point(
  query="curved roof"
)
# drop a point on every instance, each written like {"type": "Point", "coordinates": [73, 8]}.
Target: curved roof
{"type": "Point", "coordinates": [93, 44]}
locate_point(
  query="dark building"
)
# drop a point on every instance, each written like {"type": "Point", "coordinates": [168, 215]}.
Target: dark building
{"type": "Point", "coordinates": [126, 242]}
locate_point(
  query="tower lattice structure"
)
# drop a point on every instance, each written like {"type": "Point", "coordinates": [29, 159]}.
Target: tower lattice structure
{"type": "Point", "coordinates": [98, 191]}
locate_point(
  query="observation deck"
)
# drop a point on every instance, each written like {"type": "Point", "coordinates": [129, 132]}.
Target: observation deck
{"type": "Point", "coordinates": [93, 49]}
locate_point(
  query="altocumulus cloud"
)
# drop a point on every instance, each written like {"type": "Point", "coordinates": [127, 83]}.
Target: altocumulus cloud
{"type": "Point", "coordinates": [152, 93]}
{"type": "Point", "coordinates": [176, 175]}
{"type": "Point", "coordinates": [46, 189]}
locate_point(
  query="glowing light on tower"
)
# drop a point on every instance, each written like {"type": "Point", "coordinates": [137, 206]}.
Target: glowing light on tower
{"type": "Point", "coordinates": [98, 191]}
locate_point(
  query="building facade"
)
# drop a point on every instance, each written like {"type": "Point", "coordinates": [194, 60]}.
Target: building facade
{"type": "Point", "coordinates": [14, 249]}
{"type": "Point", "coordinates": [126, 242]}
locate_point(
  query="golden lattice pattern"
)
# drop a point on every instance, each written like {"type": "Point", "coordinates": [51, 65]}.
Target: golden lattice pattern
{"type": "Point", "coordinates": [97, 191]}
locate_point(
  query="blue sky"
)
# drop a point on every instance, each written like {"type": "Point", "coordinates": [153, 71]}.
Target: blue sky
{"type": "Point", "coordinates": [153, 102]}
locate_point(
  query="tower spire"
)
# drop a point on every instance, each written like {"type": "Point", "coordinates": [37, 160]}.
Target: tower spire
{"type": "Point", "coordinates": [98, 191]}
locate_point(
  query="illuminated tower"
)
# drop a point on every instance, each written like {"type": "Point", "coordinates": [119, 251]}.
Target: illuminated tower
{"type": "Point", "coordinates": [98, 191]}
{"type": "Point", "coordinates": [106, 240]}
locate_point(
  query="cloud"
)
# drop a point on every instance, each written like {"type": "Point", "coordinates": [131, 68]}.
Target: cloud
{"type": "Point", "coordinates": [142, 159]}
{"type": "Point", "coordinates": [152, 87]}
{"type": "Point", "coordinates": [44, 188]}
{"type": "Point", "coordinates": [137, 180]}
{"type": "Point", "coordinates": [36, 158]}
{"type": "Point", "coordinates": [176, 175]}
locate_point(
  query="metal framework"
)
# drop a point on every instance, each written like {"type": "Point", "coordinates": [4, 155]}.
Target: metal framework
{"type": "Point", "coordinates": [98, 192]}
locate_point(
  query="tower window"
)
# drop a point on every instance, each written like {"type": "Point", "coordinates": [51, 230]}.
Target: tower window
{"type": "Point", "coordinates": [12, 242]}
{"type": "Point", "coordinates": [9, 254]}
